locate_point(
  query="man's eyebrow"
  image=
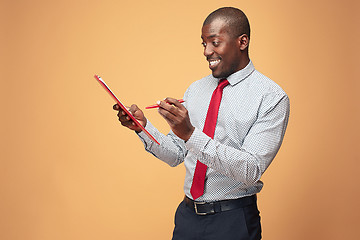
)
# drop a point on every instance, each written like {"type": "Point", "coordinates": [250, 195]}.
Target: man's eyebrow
{"type": "Point", "coordinates": [211, 36]}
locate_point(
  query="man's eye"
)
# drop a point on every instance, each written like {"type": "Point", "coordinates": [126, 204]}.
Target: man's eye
{"type": "Point", "coordinates": [204, 44]}
{"type": "Point", "coordinates": [216, 44]}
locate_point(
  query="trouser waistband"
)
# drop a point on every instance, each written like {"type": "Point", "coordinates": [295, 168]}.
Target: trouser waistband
{"type": "Point", "coordinates": [206, 208]}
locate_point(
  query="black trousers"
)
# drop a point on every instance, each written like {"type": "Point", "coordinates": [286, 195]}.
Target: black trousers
{"type": "Point", "coordinates": [238, 224]}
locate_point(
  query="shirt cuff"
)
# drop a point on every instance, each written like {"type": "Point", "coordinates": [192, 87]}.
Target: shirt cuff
{"type": "Point", "coordinates": [151, 129]}
{"type": "Point", "coordinates": [197, 142]}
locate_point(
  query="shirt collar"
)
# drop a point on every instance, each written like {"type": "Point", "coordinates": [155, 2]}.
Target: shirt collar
{"type": "Point", "coordinates": [241, 74]}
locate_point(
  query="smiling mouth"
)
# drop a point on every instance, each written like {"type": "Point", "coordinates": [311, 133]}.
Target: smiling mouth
{"type": "Point", "coordinates": [214, 63]}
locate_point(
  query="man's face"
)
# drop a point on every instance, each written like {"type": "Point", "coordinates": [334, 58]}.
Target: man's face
{"type": "Point", "coordinates": [221, 50]}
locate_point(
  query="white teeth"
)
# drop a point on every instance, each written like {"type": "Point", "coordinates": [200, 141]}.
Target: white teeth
{"type": "Point", "coordinates": [213, 62]}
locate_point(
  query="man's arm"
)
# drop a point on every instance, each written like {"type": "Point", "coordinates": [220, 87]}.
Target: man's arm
{"type": "Point", "coordinates": [248, 163]}
{"type": "Point", "coordinates": [171, 149]}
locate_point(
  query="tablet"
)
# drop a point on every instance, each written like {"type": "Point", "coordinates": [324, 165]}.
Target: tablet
{"type": "Point", "coordinates": [103, 84]}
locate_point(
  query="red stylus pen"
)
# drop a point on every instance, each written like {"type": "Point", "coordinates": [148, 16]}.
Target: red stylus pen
{"type": "Point", "coordinates": [156, 105]}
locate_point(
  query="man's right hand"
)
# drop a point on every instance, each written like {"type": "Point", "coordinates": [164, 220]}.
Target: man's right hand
{"type": "Point", "coordinates": [126, 120]}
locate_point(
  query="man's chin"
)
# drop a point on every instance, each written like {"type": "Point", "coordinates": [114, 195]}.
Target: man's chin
{"type": "Point", "coordinates": [215, 74]}
{"type": "Point", "coordinates": [218, 75]}
{"type": "Point", "coordinates": [221, 74]}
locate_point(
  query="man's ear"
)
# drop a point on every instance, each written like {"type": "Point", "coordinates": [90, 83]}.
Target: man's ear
{"type": "Point", "coordinates": [243, 41]}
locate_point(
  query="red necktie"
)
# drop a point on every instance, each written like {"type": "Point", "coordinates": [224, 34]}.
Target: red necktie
{"type": "Point", "coordinates": [197, 187]}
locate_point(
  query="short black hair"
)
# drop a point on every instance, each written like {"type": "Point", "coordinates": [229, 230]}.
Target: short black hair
{"type": "Point", "coordinates": [235, 19]}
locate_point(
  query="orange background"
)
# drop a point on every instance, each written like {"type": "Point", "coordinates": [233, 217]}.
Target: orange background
{"type": "Point", "coordinates": [68, 170]}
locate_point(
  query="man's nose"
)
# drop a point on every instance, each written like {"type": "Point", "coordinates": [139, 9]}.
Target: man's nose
{"type": "Point", "coordinates": [208, 51]}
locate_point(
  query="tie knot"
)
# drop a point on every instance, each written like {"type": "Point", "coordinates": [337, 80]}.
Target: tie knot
{"type": "Point", "coordinates": [223, 83]}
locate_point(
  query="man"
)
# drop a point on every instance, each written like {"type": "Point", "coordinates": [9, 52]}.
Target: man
{"type": "Point", "coordinates": [226, 150]}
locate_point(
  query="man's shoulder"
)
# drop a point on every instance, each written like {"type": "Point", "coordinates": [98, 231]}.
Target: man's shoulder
{"type": "Point", "coordinates": [262, 83]}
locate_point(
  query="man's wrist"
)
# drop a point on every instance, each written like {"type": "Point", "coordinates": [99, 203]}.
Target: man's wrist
{"type": "Point", "coordinates": [189, 135]}
{"type": "Point", "coordinates": [144, 125]}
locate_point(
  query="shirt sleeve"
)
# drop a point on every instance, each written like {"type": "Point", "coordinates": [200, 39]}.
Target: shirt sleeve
{"type": "Point", "coordinates": [249, 162]}
{"type": "Point", "coordinates": [171, 150]}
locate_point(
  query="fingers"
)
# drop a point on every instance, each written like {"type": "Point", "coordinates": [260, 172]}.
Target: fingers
{"type": "Point", "coordinates": [121, 113]}
{"type": "Point", "coordinates": [172, 105]}
{"type": "Point", "coordinates": [167, 111]}
{"type": "Point", "coordinates": [116, 107]}
{"type": "Point", "coordinates": [177, 116]}
{"type": "Point", "coordinates": [172, 110]}
{"type": "Point", "coordinates": [133, 109]}
{"type": "Point", "coordinates": [125, 120]}
{"type": "Point", "coordinates": [169, 117]}
{"type": "Point", "coordinates": [174, 102]}
{"type": "Point", "coordinates": [123, 117]}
